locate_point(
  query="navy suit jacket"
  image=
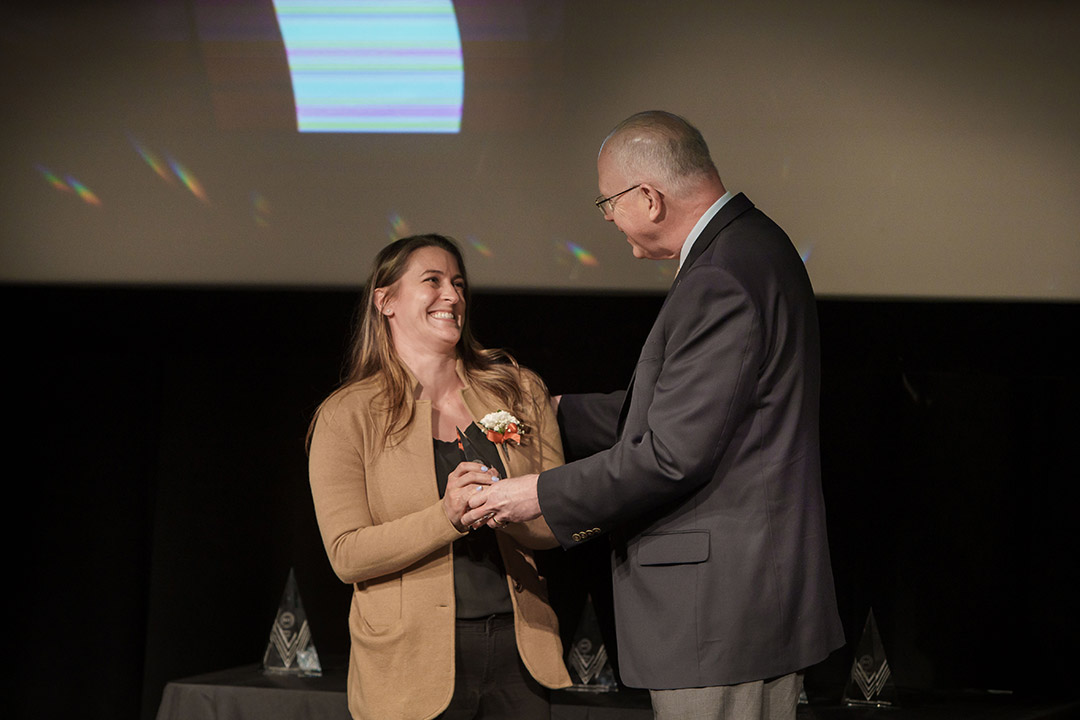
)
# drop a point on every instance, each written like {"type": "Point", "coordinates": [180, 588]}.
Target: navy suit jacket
{"type": "Point", "coordinates": [705, 474]}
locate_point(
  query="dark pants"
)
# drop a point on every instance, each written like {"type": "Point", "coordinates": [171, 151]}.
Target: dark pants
{"type": "Point", "coordinates": [491, 682]}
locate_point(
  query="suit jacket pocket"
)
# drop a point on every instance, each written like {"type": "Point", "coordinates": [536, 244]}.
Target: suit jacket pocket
{"type": "Point", "coordinates": [679, 548]}
{"type": "Point", "coordinates": [379, 603]}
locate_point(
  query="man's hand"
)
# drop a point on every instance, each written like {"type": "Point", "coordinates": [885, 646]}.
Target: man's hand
{"type": "Point", "coordinates": [506, 501]}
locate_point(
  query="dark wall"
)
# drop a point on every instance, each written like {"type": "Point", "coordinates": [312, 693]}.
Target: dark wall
{"type": "Point", "coordinates": [949, 436]}
{"type": "Point", "coordinates": [157, 438]}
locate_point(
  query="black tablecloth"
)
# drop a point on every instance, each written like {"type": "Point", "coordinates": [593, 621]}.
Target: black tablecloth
{"type": "Point", "coordinates": [246, 693]}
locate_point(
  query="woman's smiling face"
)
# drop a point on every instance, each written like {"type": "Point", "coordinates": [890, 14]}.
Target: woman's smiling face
{"type": "Point", "coordinates": [426, 306]}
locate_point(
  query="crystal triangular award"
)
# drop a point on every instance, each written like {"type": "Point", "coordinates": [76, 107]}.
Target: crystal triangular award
{"type": "Point", "coordinates": [291, 650]}
{"type": "Point", "coordinates": [871, 680]}
{"type": "Point", "coordinates": [588, 663]}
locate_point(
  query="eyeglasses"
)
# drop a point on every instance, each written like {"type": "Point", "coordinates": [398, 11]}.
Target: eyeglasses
{"type": "Point", "coordinates": [605, 204]}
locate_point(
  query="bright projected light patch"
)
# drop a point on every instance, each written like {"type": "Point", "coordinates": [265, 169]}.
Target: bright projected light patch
{"type": "Point", "coordinates": [386, 66]}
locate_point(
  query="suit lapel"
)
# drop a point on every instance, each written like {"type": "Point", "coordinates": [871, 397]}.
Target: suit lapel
{"type": "Point", "coordinates": [732, 209]}
{"type": "Point", "coordinates": [625, 407]}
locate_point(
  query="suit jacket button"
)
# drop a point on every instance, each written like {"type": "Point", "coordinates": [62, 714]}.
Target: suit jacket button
{"type": "Point", "coordinates": [576, 537]}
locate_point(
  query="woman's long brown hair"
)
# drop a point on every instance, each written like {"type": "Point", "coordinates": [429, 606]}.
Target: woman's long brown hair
{"type": "Point", "coordinates": [372, 354]}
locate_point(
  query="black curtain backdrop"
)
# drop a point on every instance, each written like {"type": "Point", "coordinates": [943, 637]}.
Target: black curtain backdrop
{"type": "Point", "coordinates": [157, 438]}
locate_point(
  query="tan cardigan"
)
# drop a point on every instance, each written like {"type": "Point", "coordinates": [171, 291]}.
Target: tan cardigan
{"type": "Point", "coordinates": [385, 530]}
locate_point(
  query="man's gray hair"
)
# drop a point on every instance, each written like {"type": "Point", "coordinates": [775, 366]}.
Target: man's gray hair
{"type": "Point", "coordinates": [662, 148]}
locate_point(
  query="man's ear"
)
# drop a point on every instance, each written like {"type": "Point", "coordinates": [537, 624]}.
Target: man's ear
{"type": "Point", "coordinates": [655, 198]}
{"type": "Point", "coordinates": [382, 302]}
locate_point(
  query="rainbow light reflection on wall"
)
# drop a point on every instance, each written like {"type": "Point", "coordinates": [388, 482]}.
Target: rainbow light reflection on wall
{"type": "Point", "coordinates": [374, 65]}
{"type": "Point", "coordinates": [582, 255]}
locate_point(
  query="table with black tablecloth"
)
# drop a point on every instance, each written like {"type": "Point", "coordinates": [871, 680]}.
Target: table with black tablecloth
{"type": "Point", "coordinates": [247, 693]}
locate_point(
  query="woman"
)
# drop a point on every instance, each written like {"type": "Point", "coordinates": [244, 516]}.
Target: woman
{"type": "Point", "coordinates": [436, 606]}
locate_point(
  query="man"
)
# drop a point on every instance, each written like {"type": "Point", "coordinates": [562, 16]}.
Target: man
{"type": "Point", "coordinates": [706, 472]}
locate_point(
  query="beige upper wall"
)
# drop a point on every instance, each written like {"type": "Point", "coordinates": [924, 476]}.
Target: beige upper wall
{"type": "Point", "coordinates": [910, 148]}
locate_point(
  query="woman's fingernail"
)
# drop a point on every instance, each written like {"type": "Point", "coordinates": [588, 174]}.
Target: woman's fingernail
{"type": "Point", "coordinates": [483, 468]}
{"type": "Point", "coordinates": [494, 478]}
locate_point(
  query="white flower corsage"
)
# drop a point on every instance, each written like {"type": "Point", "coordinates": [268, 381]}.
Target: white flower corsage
{"type": "Point", "coordinates": [501, 427]}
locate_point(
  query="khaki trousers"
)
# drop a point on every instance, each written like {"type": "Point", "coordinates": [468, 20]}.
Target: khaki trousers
{"type": "Point", "coordinates": [774, 699]}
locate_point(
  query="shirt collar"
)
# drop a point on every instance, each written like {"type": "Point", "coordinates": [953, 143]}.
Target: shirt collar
{"type": "Point", "coordinates": [701, 223]}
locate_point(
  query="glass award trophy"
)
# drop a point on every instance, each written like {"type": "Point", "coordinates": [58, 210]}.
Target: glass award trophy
{"type": "Point", "coordinates": [871, 682]}
{"type": "Point", "coordinates": [291, 650]}
{"type": "Point", "coordinates": [588, 663]}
